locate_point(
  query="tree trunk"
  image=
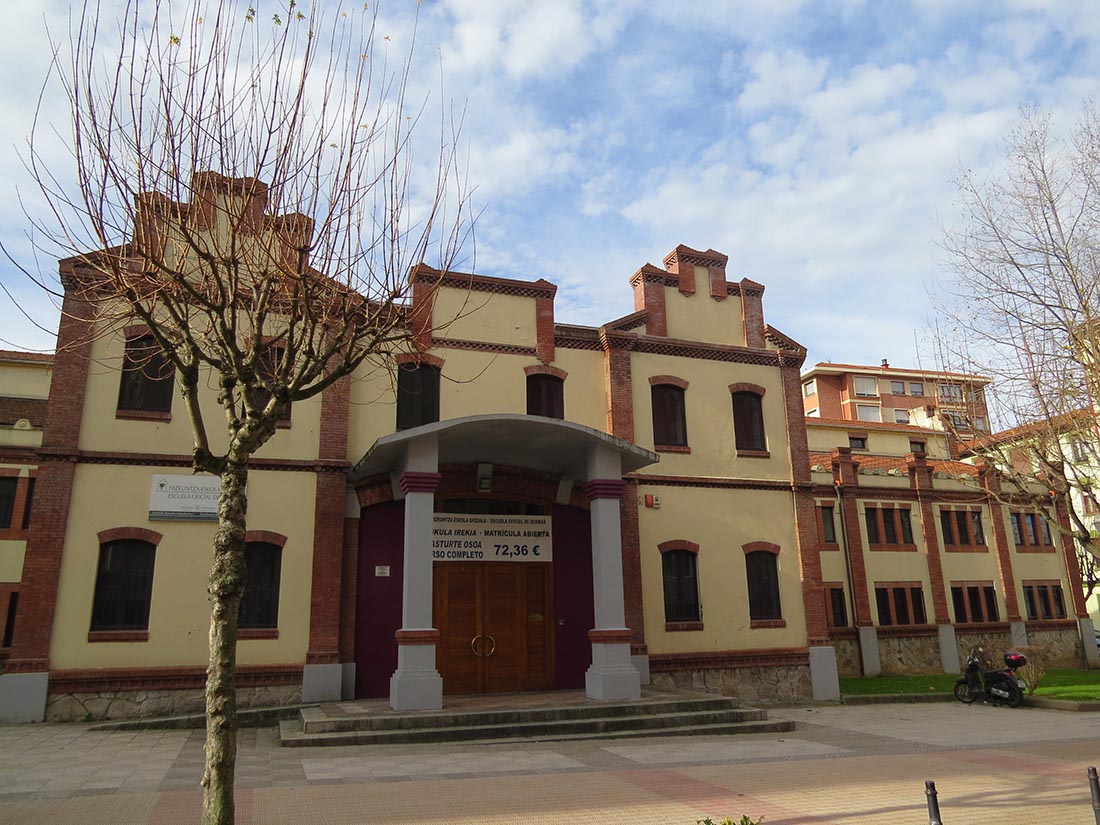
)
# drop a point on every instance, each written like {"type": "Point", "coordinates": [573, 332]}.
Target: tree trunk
{"type": "Point", "coordinates": [225, 588]}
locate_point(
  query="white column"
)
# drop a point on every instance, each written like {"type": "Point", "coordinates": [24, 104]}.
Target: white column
{"type": "Point", "coordinates": [416, 684]}
{"type": "Point", "coordinates": [611, 676]}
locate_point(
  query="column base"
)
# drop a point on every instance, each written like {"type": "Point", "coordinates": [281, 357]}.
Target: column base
{"type": "Point", "coordinates": [868, 651]}
{"type": "Point", "coordinates": [949, 649]}
{"type": "Point", "coordinates": [23, 697]}
{"type": "Point", "coordinates": [824, 676]}
{"type": "Point", "coordinates": [1088, 643]}
{"type": "Point", "coordinates": [416, 685]}
{"type": "Point", "coordinates": [641, 664]}
{"type": "Point", "coordinates": [347, 680]}
{"type": "Point", "coordinates": [1018, 632]}
{"type": "Point", "coordinates": [611, 677]}
{"type": "Point", "coordinates": [322, 683]}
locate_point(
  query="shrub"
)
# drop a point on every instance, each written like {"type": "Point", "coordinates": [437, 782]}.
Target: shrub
{"type": "Point", "coordinates": [744, 820]}
{"type": "Point", "coordinates": [1036, 668]}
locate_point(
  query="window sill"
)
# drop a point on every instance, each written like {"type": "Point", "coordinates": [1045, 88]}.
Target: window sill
{"type": "Point", "coordinates": [966, 548]}
{"type": "Point", "coordinates": [679, 627]}
{"type": "Point", "coordinates": [830, 545]}
{"type": "Point", "coordinates": [767, 623]}
{"type": "Point", "coordinates": [144, 415]}
{"type": "Point", "coordinates": [257, 633]}
{"type": "Point", "coordinates": [1035, 548]}
{"type": "Point", "coordinates": [118, 635]}
{"type": "Point", "coordinates": [892, 548]}
{"type": "Point", "coordinates": [753, 454]}
{"type": "Point", "coordinates": [671, 448]}
{"type": "Point", "coordinates": [282, 424]}
{"type": "Point", "coordinates": [11, 534]}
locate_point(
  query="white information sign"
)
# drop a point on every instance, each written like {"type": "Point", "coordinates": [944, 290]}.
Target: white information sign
{"type": "Point", "coordinates": [184, 498]}
{"type": "Point", "coordinates": [491, 538]}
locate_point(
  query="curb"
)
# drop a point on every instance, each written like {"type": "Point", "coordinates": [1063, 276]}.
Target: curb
{"type": "Point", "coordinates": [1060, 704]}
{"type": "Point", "coordinates": [894, 698]}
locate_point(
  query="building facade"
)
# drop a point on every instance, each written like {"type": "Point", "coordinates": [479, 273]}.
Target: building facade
{"type": "Point", "coordinates": [513, 503]}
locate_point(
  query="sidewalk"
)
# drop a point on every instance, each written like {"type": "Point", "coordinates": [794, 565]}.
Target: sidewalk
{"type": "Point", "coordinates": [847, 765]}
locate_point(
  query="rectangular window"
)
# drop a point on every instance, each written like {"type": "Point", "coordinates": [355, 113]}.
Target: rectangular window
{"type": "Point", "coordinates": [1044, 600]}
{"type": "Point", "coordinates": [417, 395]}
{"type": "Point", "coordinates": [901, 416]}
{"type": "Point", "coordinates": [866, 386]}
{"type": "Point", "coordinates": [267, 366]}
{"type": "Point", "coordinates": [897, 388]}
{"type": "Point", "coordinates": [828, 525]}
{"type": "Point", "coordinates": [918, 447]}
{"type": "Point", "coordinates": [1077, 450]}
{"type": "Point", "coordinates": [951, 392]}
{"type": "Point", "coordinates": [906, 526]}
{"type": "Point", "coordinates": [546, 396]}
{"type": "Point", "coordinates": [681, 586]}
{"type": "Point", "coordinates": [1089, 504]}
{"type": "Point", "coordinates": [260, 602]}
{"type": "Point", "coordinates": [962, 528]}
{"type": "Point", "coordinates": [900, 603]}
{"type": "Point", "coordinates": [123, 586]}
{"type": "Point", "coordinates": [870, 516]}
{"type": "Point", "coordinates": [888, 526]}
{"type": "Point", "coordinates": [868, 412]}
{"type": "Point", "coordinates": [837, 606]}
{"type": "Point", "coordinates": [748, 421]}
{"type": "Point", "coordinates": [8, 485]}
{"type": "Point", "coordinates": [669, 416]}
{"type": "Point", "coordinates": [147, 377]}
{"type": "Point", "coordinates": [1030, 530]}
{"type": "Point", "coordinates": [809, 388]}
{"type": "Point", "coordinates": [916, 388]}
{"type": "Point", "coordinates": [857, 442]}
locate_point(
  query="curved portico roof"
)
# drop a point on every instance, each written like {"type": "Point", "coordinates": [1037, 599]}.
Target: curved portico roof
{"type": "Point", "coordinates": [531, 441]}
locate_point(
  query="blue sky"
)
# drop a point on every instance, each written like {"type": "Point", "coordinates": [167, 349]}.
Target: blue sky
{"type": "Point", "coordinates": [815, 143]}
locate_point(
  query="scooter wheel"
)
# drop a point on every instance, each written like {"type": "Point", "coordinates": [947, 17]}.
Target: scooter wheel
{"type": "Point", "coordinates": [1015, 695]}
{"type": "Point", "coordinates": [963, 694]}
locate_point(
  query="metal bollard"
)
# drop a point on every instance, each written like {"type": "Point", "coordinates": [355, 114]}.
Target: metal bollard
{"type": "Point", "coordinates": [1094, 788]}
{"type": "Point", "coordinates": [933, 803]}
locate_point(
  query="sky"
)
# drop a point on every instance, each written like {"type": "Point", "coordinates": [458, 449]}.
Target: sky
{"type": "Point", "coordinates": [815, 143]}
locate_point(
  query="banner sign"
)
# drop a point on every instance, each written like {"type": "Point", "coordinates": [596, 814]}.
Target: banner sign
{"type": "Point", "coordinates": [184, 498]}
{"type": "Point", "coordinates": [491, 538]}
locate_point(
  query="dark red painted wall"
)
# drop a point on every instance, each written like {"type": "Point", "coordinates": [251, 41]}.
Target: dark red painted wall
{"type": "Point", "coordinates": [573, 610]}
{"type": "Point", "coordinates": [378, 599]}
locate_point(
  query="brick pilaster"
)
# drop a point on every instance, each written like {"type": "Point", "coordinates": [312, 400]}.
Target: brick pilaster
{"type": "Point", "coordinates": [991, 482]}
{"type": "Point", "coordinates": [1069, 554]}
{"type": "Point", "coordinates": [846, 479]}
{"type": "Point", "coordinates": [544, 329]}
{"type": "Point", "coordinates": [632, 563]}
{"type": "Point", "coordinates": [752, 312]}
{"type": "Point", "coordinates": [620, 391]}
{"type": "Point", "coordinates": [920, 479]}
{"type": "Point", "coordinates": [53, 488]}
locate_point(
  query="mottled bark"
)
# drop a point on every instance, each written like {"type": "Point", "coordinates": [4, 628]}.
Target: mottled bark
{"type": "Point", "coordinates": [225, 588]}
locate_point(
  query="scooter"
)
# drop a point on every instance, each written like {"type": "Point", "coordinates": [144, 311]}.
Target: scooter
{"type": "Point", "coordinates": [996, 686]}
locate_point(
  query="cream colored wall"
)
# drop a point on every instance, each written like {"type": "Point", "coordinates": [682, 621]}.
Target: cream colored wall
{"type": "Point", "coordinates": [11, 551]}
{"type": "Point", "coordinates": [709, 413]}
{"type": "Point", "coordinates": [879, 442]}
{"type": "Point", "coordinates": [699, 317]}
{"type": "Point", "coordinates": [585, 386]}
{"type": "Point", "coordinates": [106, 497]}
{"type": "Point", "coordinates": [25, 379]}
{"type": "Point", "coordinates": [890, 566]}
{"type": "Point", "coordinates": [467, 315]}
{"type": "Point", "coordinates": [10, 437]}
{"type": "Point", "coordinates": [720, 522]}
{"type": "Point", "coordinates": [101, 430]}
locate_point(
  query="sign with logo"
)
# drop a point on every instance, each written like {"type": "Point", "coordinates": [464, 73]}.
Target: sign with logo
{"type": "Point", "coordinates": [491, 538]}
{"type": "Point", "coordinates": [184, 498]}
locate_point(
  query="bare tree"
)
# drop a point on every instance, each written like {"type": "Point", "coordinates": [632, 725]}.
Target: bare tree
{"type": "Point", "coordinates": [1023, 309]}
{"type": "Point", "coordinates": [244, 187]}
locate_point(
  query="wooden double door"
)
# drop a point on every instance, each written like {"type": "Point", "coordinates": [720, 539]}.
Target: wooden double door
{"type": "Point", "coordinates": [496, 626]}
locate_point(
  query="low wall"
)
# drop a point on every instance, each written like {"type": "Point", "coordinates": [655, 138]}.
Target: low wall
{"type": "Point", "coordinates": [113, 705]}
{"type": "Point", "coordinates": [1060, 644]}
{"type": "Point", "coordinates": [748, 677]}
{"type": "Point", "coordinates": [909, 650]}
{"type": "Point", "coordinates": [846, 644]}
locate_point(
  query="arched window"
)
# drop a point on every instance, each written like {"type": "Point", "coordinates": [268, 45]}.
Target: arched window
{"type": "Point", "coordinates": [123, 585]}
{"type": "Point", "coordinates": [681, 586]}
{"type": "Point", "coordinates": [260, 601]}
{"type": "Point", "coordinates": [762, 572]}
{"type": "Point", "coordinates": [748, 421]}
{"type": "Point", "coordinates": [417, 395]}
{"type": "Point", "coordinates": [545, 396]}
{"type": "Point", "coordinates": [669, 421]}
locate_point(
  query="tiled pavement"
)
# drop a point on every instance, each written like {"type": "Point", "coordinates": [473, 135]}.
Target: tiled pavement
{"type": "Point", "coordinates": [863, 764]}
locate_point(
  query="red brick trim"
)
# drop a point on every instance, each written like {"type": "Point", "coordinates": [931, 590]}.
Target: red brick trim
{"type": "Point", "coordinates": [485, 283]}
{"type": "Point", "coordinates": [632, 567]}
{"type": "Point", "coordinates": [417, 637]}
{"type": "Point", "coordinates": [604, 488]}
{"type": "Point", "coordinates": [678, 544]}
{"type": "Point", "coordinates": [982, 627]}
{"type": "Point", "coordinates": [544, 328]}
{"type": "Point", "coordinates": [682, 627]}
{"type": "Point", "coordinates": [620, 394]}
{"type": "Point", "coordinates": [647, 480]}
{"type": "Point", "coordinates": [599, 636]}
{"type": "Point", "coordinates": [672, 448]}
{"type": "Point", "coordinates": [760, 546]}
{"type": "Point", "coordinates": [1069, 556]}
{"type": "Point", "coordinates": [545, 369]}
{"type": "Point", "coordinates": [485, 346]}
{"type": "Point", "coordinates": [752, 312]}
{"type": "Point", "coordinates": [103, 680]}
{"type": "Point", "coordinates": [675, 381]}
{"type": "Point", "coordinates": [753, 454]}
{"type": "Point", "coordinates": [761, 623]}
{"type": "Point", "coordinates": [248, 633]}
{"type": "Point", "coordinates": [419, 482]}
{"type": "Point", "coordinates": [649, 297]}
{"type": "Point", "coordinates": [418, 358]}
{"type": "Point", "coordinates": [1051, 624]}
{"type": "Point", "coordinates": [47, 455]}
{"type": "Point", "coordinates": [118, 635]}
{"type": "Point", "coordinates": [266, 536]}
{"type": "Point", "coordinates": [134, 533]}
{"type": "Point", "coordinates": [422, 310]}
{"type": "Point", "coordinates": [713, 660]}
{"type": "Point", "coordinates": [147, 415]}
{"type": "Point", "coordinates": [745, 386]}
{"type": "Point", "coordinates": [679, 348]}
{"type": "Point", "coordinates": [902, 631]}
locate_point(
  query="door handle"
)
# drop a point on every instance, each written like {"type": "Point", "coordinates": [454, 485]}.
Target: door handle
{"type": "Point", "coordinates": [493, 642]}
{"type": "Point", "coordinates": [473, 645]}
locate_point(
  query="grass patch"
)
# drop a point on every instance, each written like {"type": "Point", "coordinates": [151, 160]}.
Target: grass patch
{"type": "Point", "coordinates": [931, 683]}
{"type": "Point", "coordinates": [1075, 685]}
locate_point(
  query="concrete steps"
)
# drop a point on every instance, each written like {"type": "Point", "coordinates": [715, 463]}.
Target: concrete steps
{"type": "Point", "coordinates": [678, 716]}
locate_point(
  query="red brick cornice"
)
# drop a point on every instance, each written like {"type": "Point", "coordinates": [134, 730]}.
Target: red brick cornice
{"type": "Point", "coordinates": [418, 358]}
{"type": "Point", "coordinates": [604, 488]}
{"type": "Point", "coordinates": [484, 283]}
{"type": "Point", "coordinates": [430, 636]}
{"type": "Point", "coordinates": [675, 381]}
{"type": "Point", "coordinates": [610, 637]}
{"type": "Point", "coordinates": [545, 369]}
{"type": "Point", "coordinates": [102, 680]}
{"type": "Point", "coordinates": [412, 482]}
{"type": "Point", "coordinates": [48, 454]}
{"type": "Point", "coordinates": [745, 386]}
{"type": "Point", "coordinates": [132, 533]}
{"type": "Point", "coordinates": [678, 544]}
{"type": "Point", "coordinates": [766, 657]}
{"type": "Point", "coordinates": [266, 536]}
{"type": "Point", "coordinates": [760, 547]}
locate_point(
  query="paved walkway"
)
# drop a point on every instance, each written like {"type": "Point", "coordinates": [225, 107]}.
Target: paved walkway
{"type": "Point", "coordinates": [864, 765]}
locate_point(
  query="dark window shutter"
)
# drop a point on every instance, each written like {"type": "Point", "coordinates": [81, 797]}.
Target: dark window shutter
{"type": "Point", "coordinates": [546, 396]}
{"type": "Point", "coordinates": [260, 602]}
{"type": "Point", "coordinates": [748, 421]}
{"type": "Point", "coordinates": [417, 395]}
{"type": "Point", "coordinates": [669, 420]}
{"type": "Point", "coordinates": [681, 586]}
{"type": "Point", "coordinates": [763, 578]}
{"type": "Point", "coordinates": [124, 586]}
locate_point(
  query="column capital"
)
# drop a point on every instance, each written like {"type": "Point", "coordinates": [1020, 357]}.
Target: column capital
{"type": "Point", "coordinates": [427, 636]}
{"type": "Point", "coordinates": [610, 636]}
{"type": "Point", "coordinates": [413, 482]}
{"type": "Point", "coordinates": [605, 488]}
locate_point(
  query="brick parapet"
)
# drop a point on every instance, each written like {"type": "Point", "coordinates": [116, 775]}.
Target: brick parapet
{"type": "Point", "coordinates": [544, 329]}
{"type": "Point", "coordinates": [620, 393]}
{"type": "Point", "coordinates": [752, 313]}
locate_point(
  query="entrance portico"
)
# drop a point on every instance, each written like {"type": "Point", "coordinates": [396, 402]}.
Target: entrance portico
{"type": "Point", "coordinates": [571, 452]}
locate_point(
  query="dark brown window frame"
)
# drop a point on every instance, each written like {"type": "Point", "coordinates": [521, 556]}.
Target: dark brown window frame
{"type": "Point", "coordinates": [136, 383]}
{"type": "Point", "coordinates": [1030, 532]}
{"type": "Point", "coordinates": [977, 600]}
{"type": "Point", "coordinates": [762, 583]}
{"type": "Point", "coordinates": [886, 520]}
{"type": "Point", "coordinates": [676, 557]}
{"type": "Point", "coordinates": [913, 593]}
{"type": "Point", "coordinates": [1054, 602]}
{"type": "Point", "coordinates": [750, 434]}
{"type": "Point", "coordinates": [959, 534]}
